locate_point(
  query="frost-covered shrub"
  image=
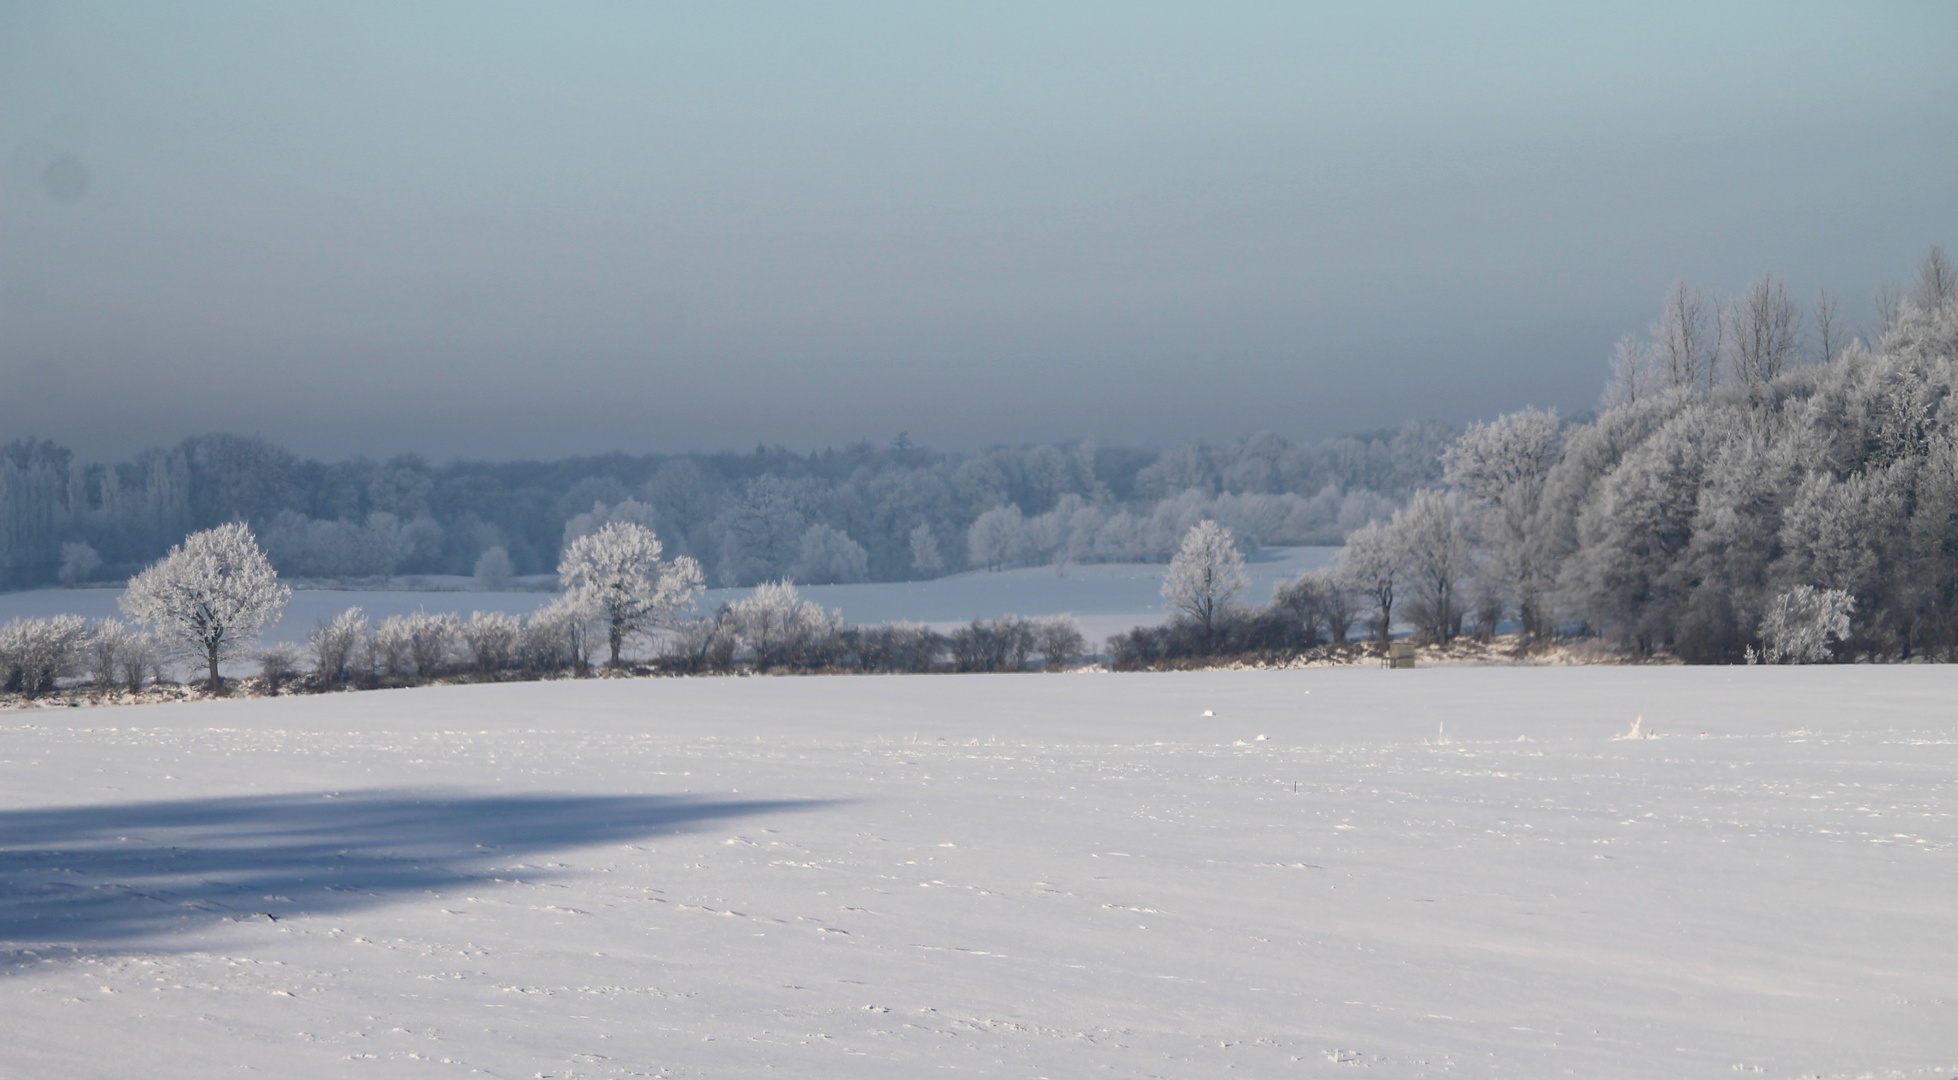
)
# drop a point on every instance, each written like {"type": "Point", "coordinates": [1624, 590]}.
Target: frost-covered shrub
{"type": "Point", "coordinates": [390, 648]}
{"type": "Point", "coordinates": [780, 629]}
{"type": "Point", "coordinates": [433, 642]}
{"type": "Point", "coordinates": [1800, 623]}
{"type": "Point", "coordinates": [120, 655]}
{"type": "Point", "coordinates": [276, 664]}
{"type": "Point", "coordinates": [559, 636]}
{"type": "Point", "coordinates": [491, 640]}
{"type": "Point", "coordinates": [337, 646]}
{"type": "Point", "coordinates": [34, 653]}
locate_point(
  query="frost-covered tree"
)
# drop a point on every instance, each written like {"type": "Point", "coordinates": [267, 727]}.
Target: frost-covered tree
{"type": "Point", "coordinates": [601, 515]}
{"type": "Point", "coordinates": [997, 537]}
{"type": "Point", "coordinates": [1801, 622]}
{"type": "Point", "coordinates": [79, 562]}
{"type": "Point", "coordinates": [493, 569]}
{"type": "Point", "coordinates": [1206, 575]}
{"type": "Point", "coordinates": [1763, 332]}
{"type": "Point", "coordinates": [212, 596]}
{"type": "Point", "coordinates": [828, 556]}
{"type": "Point", "coordinates": [924, 550]}
{"type": "Point", "coordinates": [1503, 468]}
{"type": "Point", "coordinates": [1373, 565]}
{"type": "Point", "coordinates": [1438, 558]}
{"type": "Point", "coordinates": [617, 573]}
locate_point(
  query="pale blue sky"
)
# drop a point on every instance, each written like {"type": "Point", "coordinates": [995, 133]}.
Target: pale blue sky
{"type": "Point", "coordinates": [503, 231]}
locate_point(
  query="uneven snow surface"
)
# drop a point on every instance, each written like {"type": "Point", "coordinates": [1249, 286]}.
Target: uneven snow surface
{"type": "Point", "coordinates": [1417, 873]}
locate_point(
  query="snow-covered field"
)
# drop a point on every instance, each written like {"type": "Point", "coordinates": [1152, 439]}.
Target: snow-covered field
{"type": "Point", "coordinates": [1415, 873]}
{"type": "Point", "coordinates": [1105, 598]}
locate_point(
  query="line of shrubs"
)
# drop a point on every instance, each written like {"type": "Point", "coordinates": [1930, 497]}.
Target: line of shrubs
{"type": "Point", "coordinates": [352, 651]}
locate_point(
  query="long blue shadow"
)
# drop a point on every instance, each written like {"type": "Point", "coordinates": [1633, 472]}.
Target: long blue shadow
{"type": "Point", "coordinates": [122, 875]}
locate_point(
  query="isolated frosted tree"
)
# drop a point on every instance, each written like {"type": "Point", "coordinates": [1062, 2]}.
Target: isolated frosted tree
{"type": "Point", "coordinates": [1205, 576]}
{"type": "Point", "coordinates": [924, 550]}
{"type": "Point", "coordinates": [212, 595]}
{"type": "Point", "coordinates": [1503, 469]}
{"type": "Point", "coordinates": [617, 573]}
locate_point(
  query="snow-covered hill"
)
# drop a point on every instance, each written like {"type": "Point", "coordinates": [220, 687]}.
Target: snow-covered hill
{"type": "Point", "coordinates": [1437, 872]}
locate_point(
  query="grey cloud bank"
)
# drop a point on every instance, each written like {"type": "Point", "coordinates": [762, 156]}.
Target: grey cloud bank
{"type": "Point", "coordinates": [496, 232]}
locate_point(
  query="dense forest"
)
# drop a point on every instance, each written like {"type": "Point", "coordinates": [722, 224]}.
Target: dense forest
{"type": "Point", "coordinates": [1756, 488]}
{"type": "Point", "coordinates": [865, 512]}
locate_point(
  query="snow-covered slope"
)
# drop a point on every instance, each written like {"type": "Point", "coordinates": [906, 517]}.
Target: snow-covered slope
{"type": "Point", "coordinates": [1423, 873]}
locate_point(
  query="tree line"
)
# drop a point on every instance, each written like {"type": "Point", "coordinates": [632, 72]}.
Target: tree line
{"type": "Point", "coordinates": [208, 601]}
{"type": "Point", "coordinates": [861, 513]}
{"type": "Point", "coordinates": [1734, 501]}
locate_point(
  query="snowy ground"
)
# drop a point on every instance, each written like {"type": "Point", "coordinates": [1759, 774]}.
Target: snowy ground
{"type": "Point", "coordinates": [1419, 873]}
{"type": "Point", "coordinates": [1104, 598]}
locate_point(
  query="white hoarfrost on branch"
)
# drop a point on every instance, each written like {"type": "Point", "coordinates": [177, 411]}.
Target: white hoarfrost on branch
{"type": "Point", "coordinates": [212, 596]}
{"type": "Point", "coordinates": [1206, 574]}
{"type": "Point", "coordinates": [617, 574]}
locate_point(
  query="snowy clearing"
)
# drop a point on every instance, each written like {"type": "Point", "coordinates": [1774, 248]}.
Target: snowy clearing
{"type": "Point", "coordinates": [1464, 871]}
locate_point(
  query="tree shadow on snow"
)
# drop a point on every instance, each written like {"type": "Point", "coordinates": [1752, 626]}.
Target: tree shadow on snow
{"type": "Point", "coordinates": [132, 874]}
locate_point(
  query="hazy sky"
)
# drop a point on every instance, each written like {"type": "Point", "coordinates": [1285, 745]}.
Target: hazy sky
{"type": "Point", "coordinates": [508, 231]}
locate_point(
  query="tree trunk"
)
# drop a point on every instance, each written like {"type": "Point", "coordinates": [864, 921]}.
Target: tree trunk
{"type": "Point", "coordinates": [211, 657]}
{"type": "Point", "coordinates": [616, 638]}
